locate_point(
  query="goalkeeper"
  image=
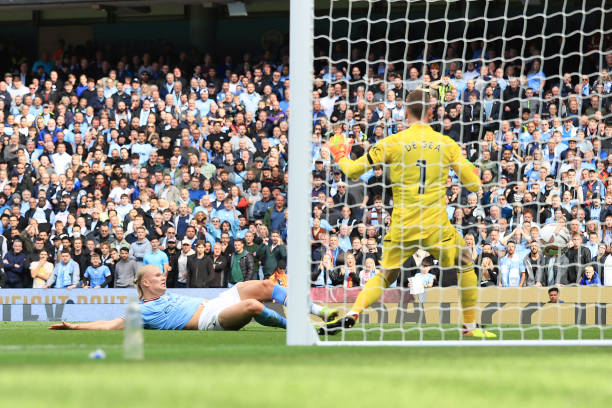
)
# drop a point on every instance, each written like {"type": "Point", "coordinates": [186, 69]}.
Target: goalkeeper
{"type": "Point", "coordinates": [419, 159]}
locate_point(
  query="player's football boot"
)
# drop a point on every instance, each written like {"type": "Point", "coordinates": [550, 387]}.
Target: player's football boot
{"type": "Point", "coordinates": [478, 333]}
{"type": "Point", "coordinates": [337, 325]}
{"type": "Point", "coordinates": [328, 314]}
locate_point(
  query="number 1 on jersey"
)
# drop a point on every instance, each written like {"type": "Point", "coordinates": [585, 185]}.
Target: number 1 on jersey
{"type": "Point", "coordinates": [422, 165]}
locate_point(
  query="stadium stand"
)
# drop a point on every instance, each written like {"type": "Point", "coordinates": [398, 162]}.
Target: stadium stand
{"type": "Point", "coordinates": [103, 152]}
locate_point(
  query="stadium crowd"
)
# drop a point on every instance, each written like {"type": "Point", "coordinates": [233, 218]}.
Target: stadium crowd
{"type": "Point", "coordinates": [107, 164]}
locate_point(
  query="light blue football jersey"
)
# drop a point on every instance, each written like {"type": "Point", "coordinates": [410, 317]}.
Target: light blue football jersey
{"type": "Point", "coordinates": [169, 312]}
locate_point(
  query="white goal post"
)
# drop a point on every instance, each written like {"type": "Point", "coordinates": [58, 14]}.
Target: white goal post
{"type": "Point", "coordinates": [299, 328]}
{"type": "Point", "coordinates": [528, 77]}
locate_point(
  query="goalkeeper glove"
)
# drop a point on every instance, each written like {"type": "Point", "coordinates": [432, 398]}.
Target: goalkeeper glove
{"type": "Point", "coordinates": [340, 147]}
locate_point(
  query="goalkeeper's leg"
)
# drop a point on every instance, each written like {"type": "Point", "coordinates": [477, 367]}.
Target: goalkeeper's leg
{"type": "Point", "coordinates": [452, 252]}
{"type": "Point", "coordinates": [373, 290]}
{"type": "Point", "coordinates": [393, 256]}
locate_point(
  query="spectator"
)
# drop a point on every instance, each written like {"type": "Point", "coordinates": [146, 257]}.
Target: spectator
{"type": "Point", "coordinates": [367, 272]}
{"type": "Point", "coordinates": [534, 261]}
{"type": "Point", "coordinates": [200, 271]}
{"type": "Point", "coordinates": [156, 256]}
{"type": "Point", "coordinates": [173, 254]}
{"type": "Point", "coordinates": [66, 274]}
{"type": "Point", "coordinates": [324, 275]}
{"type": "Point", "coordinates": [140, 247]}
{"type": "Point", "coordinates": [578, 256]}
{"type": "Point", "coordinates": [271, 253]}
{"type": "Point", "coordinates": [183, 258]}
{"type": "Point", "coordinates": [14, 266]}
{"type": "Point", "coordinates": [349, 272]}
{"type": "Point", "coordinates": [275, 215]}
{"type": "Point", "coordinates": [512, 269]}
{"type": "Point", "coordinates": [96, 275]}
{"type": "Point", "coordinates": [41, 270]}
{"type": "Point", "coordinates": [377, 216]}
{"type": "Point", "coordinates": [89, 162]}
{"type": "Point", "coordinates": [241, 264]}
{"type": "Point", "coordinates": [125, 269]}
{"type": "Point", "coordinates": [261, 207]}
{"type": "Point", "coordinates": [220, 266]}
{"type": "Point", "coordinates": [279, 277]}
{"type": "Point", "coordinates": [553, 296]}
{"type": "Point", "coordinates": [488, 271]}
{"type": "Point", "coordinates": [590, 277]}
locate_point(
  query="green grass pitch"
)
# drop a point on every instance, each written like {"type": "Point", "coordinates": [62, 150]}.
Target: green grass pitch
{"type": "Point", "coordinates": [253, 368]}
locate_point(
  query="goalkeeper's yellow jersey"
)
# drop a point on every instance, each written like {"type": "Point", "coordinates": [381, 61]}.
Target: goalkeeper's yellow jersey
{"type": "Point", "coordinates": [419, 159]}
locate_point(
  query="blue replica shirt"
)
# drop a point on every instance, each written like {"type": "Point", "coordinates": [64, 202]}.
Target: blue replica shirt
{"type": "Point", "coordinates": [143, 151]}
{"type": "Point", "coordinates": [98, 275]}
{"type": "Point", "coordinates": [427, 278]}
{"type": "Point", "coordinates": [157, 258]}
{"type": "Point", "coordinates": [511, 269]}
{"type": "Point", "coordinates": [169, 312]}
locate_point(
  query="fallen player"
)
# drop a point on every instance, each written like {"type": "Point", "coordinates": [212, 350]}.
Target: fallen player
{"type": "Point", "coordinates": [231, 310]}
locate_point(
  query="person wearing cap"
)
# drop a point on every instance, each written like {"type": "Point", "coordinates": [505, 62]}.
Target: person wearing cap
{"type": "Point", "coordinates": [182, 272]}
{"type": "Point", "coordinates": [259, 159]}
{"type": "Point", "coordinates": [593, 186]}
{"type": "Point", "coordinates": [173, 250]}
{"type": "Point", "coordinates": [318, 186]}
{"type": "Point", "coordinates": [145, 76]}
{"type": "Point", "coordinates": [204, 103]}
{"type": "Point", "coordinates": [572, 147]}
{"type": "Point", "coordinates": [125, 269]}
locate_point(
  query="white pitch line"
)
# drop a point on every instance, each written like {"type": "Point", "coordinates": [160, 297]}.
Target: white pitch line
{"type": "Point", "coordinates": [19, 347]}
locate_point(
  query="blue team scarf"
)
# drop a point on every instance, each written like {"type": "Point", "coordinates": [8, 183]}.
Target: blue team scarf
{"type": "Point", "coordinates": [64, 277]}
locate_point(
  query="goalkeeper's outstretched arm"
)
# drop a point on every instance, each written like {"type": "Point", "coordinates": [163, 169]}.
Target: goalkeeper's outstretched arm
{"type": "Point", "coordinates": [466, 171]}
{"type": "Point", "coordinates": [354, 168]}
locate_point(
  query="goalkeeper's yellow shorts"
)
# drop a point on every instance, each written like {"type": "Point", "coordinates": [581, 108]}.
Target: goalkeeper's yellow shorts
{"type": "Point", "coordinates": [445, 245]}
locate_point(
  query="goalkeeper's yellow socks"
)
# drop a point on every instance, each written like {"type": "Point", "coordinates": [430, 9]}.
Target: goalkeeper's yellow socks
{"type": "Point", "coordinates": [468, 293]}
{"type": "Point", "coordinates": [371, 292]}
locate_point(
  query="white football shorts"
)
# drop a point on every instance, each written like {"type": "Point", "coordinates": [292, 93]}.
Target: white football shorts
{"type": "Point", "coordinates": [209, 319]}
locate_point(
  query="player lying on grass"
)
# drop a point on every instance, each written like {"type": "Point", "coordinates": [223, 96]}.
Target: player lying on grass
{"type": "Point", "coordinates": [419, 160]}
{"type": "Point", "coordinates": [231, 310]}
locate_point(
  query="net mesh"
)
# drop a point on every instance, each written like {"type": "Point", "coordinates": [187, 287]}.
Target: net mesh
{"type": "Point", "coordinates": [523, 88]}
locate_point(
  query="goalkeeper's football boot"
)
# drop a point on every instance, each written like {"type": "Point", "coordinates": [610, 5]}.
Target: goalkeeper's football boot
{"type": "Point", "coordinates": [477, 333]}
{"type": "Point", "coordinates": [337, 325]}
{"type": "Point", "coordinates": [328, 314]}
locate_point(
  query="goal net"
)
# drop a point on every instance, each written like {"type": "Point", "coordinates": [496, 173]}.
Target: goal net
{"type": "Point", "coordinates": [523, 88]}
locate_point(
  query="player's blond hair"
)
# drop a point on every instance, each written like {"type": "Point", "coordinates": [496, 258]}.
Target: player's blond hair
{"type": "Point", "coordinates": [138, 281]}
